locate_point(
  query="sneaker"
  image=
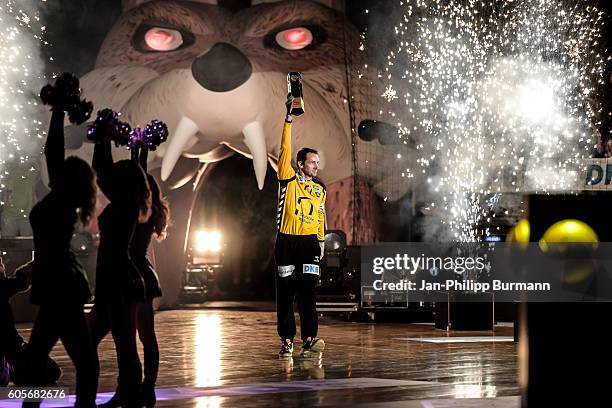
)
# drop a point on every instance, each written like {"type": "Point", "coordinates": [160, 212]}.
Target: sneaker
{"type": "Point", "coordinates": [314, 345]}
{"type": "Point", "coordinates": [286, 349]}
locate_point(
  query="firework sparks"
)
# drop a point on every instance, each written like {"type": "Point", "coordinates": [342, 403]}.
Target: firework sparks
{"type": "Point", "coordinates": [500, 93]}
{"type": "Point", "coordinates": [390, 93]}
{"type": "Point", "coordinates": [21, 36]}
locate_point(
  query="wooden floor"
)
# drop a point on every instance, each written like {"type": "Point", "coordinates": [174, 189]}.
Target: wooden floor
{"type": "Point", "coordinates": [226, 356]}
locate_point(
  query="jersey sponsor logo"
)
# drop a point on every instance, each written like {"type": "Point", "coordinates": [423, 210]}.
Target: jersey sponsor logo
{"type": "Point", "coordinates": [311, 268]}
{"type": "Point", "coordinates": [285, 270]}
{"type": "Point", "coordinates": [306, 219]}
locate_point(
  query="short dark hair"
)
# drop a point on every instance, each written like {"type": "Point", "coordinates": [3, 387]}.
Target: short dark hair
{"type": "Point", "coordinates": [303, 153]}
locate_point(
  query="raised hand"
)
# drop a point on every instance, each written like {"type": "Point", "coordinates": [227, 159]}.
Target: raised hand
{"type": "Point", "coordinates": [289, 103]}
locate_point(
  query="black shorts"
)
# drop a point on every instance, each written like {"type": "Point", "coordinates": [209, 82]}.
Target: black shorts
{"type": "Point", "coordinates": [297, 254]}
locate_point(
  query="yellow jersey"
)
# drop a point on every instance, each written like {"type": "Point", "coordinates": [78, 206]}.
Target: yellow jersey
{"type": "Point", "coordinates": [301, 202]}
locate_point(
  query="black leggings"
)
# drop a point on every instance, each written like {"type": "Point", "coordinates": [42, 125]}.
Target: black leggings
{"type": "Point", "coordinates": [146, 333]}
{"type": "Point", "coordinates": [119, 318]}
{"type": "Point", "coordinates": [68, 323]}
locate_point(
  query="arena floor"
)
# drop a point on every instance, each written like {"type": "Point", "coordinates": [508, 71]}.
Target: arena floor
{"type": "Point", "coordinates": [226, 356]}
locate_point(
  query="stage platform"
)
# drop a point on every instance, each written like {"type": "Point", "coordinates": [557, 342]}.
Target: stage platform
{"type": "Point", "coordinates": [225, 355]}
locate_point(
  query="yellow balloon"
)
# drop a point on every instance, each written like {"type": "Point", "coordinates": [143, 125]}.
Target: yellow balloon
{"type": "Point", "coordinates": [520, 233]}
{"type": "Point", "coordinates": [568, 231]}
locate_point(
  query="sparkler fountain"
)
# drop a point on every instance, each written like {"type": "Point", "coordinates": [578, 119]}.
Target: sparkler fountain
{"type": "Point", "coordinates": [21, 71]}
{"type": "Point", "coordinates": [502, 93]}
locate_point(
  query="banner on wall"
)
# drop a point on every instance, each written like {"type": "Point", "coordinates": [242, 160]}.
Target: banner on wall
{"type": "Point", "coordinates": [597, 175]}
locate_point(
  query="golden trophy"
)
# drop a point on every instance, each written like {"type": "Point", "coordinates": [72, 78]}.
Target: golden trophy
{"type": "Point", "coordinates": [294, 87]}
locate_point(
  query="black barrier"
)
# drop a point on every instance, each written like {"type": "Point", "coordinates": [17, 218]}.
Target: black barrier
{"type": "Point", "coordinates": [563, 346]}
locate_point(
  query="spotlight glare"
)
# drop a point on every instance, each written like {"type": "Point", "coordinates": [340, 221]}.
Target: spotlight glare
{"type": "Point", "coordinates": [208, 241]}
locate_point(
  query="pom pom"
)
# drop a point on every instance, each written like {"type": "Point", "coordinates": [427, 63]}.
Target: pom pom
{"type": "Point", "coordinates": [80, 111]}
{"type": "Point", "coordinates": [65, 95]}
{"type": "Point", "coordinates": [123, 133]}
{"type": "Point", "coordinates": [47, 94]}
{"type": "Point", "coordinates": [136, 140]}
{"type": "Point", "coordinates": [108, 127]}
{"type": "Point", "coordinates": [156, 133]}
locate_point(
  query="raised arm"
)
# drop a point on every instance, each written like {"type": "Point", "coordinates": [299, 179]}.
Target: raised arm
{"type": "Point", "coordinates": [54, 148]}
{"type": "Point", "coordinates": [102, 164]}
{"type": "Point", "coordinates": [285, 171]}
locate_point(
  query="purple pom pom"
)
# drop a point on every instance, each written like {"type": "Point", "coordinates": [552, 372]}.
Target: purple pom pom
{"type": "Point", "coordinates": [136, 139]}
{"type": "Point", "coordinates": [156, 133]}
{"type": "Point", "coordinates": [123, 133]}
{"type": "Point", "coordinates": [108, 127]}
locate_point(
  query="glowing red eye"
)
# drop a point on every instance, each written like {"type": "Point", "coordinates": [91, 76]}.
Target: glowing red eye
{"type": "Point", "coordinates": [163, 39]}
{"type": "Point", "coordinates": [297, 36]}
{"type": "Point", "coordinates": [294, 38]}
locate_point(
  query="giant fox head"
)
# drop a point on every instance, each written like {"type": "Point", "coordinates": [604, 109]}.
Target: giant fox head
{"type": "Point", "coordinates": [217, 77]}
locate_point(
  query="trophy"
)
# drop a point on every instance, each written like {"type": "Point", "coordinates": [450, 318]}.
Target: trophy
{"type": "Point", "coordinates": [294, 87]}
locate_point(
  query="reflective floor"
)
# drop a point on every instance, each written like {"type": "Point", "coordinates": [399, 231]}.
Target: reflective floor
{"type": "Point", "coordinates": [226, 356]}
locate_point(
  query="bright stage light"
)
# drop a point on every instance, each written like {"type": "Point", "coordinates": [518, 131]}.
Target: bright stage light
{"type": "Point", "coordinates": [208, 241]}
